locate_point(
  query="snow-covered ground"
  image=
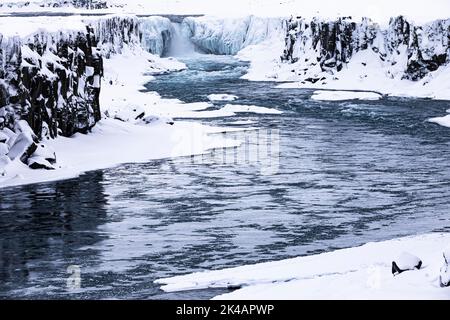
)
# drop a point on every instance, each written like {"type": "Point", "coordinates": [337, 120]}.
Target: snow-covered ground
{"type": "Point", "coordinates": [356, 273]}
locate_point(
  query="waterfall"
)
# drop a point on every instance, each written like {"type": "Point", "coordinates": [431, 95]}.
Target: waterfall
{"type": "Point", "coordinates": [180, 45]}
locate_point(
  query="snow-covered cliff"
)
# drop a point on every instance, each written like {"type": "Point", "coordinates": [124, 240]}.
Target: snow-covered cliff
{"type": "Point", "coordinates": [50, 77]}
{"type": "Point", "coordinates": [46, 4]}
{"type": "Point", "coordinates": [157, 34]}
{"type": "Point", "coordinates": [408, 51]}
{"type": "Point", "coordinates": [230, 35]}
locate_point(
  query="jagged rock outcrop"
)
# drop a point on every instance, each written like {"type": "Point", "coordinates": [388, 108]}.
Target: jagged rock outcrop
{"type": "Point", "coordinates": [332, 44]}
{"type": "Point", "coordinates": [52, 81]}
{"type": "Point", "coordinates": [50, 85]}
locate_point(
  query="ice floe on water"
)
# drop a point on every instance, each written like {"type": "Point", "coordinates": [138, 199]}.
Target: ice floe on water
{"type": "Point", "coordinates": [443, 121]}
{"type": "Point", "coordinates": [240, 108]}
{"type": "Point", "coordinates": [323, 95]}
{"type": "Point", "coordinates": [222, 97]}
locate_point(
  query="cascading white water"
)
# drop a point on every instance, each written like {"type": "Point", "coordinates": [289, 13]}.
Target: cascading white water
{"type": "Point", "coordinates": [180, 45]}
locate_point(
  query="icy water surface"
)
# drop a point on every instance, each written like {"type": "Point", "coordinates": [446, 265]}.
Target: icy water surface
{"type": "Point", "coordinates": [349, 172]}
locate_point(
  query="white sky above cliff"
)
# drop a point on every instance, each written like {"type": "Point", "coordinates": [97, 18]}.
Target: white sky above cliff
{"type": "Point", "coordinates": [378, 10]}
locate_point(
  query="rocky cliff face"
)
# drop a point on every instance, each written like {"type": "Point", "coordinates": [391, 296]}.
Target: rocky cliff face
{"type": "Point", "coordinates": [52, 81]}
{"type": "Point", "coordinates": [420, 49]}
{"type": "Point", "coordinates": [89, 4]}
{"type": "Point", "coordinates": [50, 85]}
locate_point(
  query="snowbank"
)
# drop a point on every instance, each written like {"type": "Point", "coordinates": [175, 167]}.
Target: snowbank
{"type": "Point", "coordinates": [356, 273]}
{"type": "Point", "coordinates": [344, 95]}
{"type": "Point", "coordinates": [113, 142]}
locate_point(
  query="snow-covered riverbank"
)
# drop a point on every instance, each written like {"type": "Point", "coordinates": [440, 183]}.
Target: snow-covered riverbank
{"type": "Point", "coordinates": [136, 126]}
{"type": "Point", "coordinates": [356, 273]}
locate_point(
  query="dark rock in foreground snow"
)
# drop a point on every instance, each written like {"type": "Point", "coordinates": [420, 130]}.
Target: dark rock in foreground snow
{"type": "Point", "coordinates": [405, 262]}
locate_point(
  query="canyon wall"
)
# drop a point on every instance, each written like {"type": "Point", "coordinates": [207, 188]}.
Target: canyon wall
{"type": "Point", "coordinates": [417, 50]}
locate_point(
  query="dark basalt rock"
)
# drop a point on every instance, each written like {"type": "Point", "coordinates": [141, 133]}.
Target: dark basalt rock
{"type": "Point", "coordinates": [39, 163]}
{"type": "Point", "coordinates": [88, 4]}
{"type": "Point", "coordinates": [337, 41]}
{"type": "Point", "coordinates": [444, 277]}
{"type": "Point", "coordinates": [53, 80]}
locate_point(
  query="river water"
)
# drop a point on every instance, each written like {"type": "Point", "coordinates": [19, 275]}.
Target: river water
{"type": "Point", "coordinates": [348, 173]}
